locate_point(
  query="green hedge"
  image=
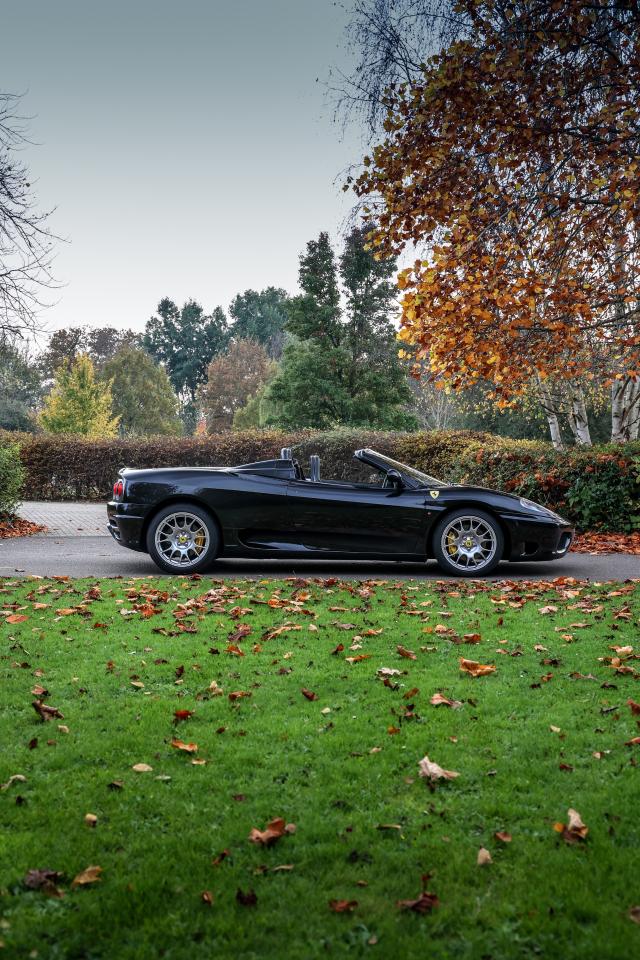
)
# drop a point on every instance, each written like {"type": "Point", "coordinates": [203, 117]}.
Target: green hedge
{"type": "Point", "coordinates": [597, 488]}
{"type": "Point", "coordinates": [12, 475]}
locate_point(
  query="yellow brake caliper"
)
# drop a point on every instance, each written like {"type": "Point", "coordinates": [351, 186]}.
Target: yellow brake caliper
{"type": "Point", "coordinates": [451, 544]}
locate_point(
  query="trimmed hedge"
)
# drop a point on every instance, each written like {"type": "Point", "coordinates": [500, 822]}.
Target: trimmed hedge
{"type": "Point", "coordinates": [12, 475]}
{"type": "Point", "coordinates": [597, 488]}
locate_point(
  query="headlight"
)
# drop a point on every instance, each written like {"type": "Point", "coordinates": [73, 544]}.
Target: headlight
{"type": "Point", "coordinates": [530, 505]}
{"type": "Point", "coordinates": [536, 508]}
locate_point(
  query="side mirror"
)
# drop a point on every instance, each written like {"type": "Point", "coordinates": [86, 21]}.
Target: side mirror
{"type": "Point", "coordinates": [394, 480]}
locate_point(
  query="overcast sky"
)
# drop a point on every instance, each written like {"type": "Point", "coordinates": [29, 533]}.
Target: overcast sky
{"type": "Point", "coordinates": [188, 147]}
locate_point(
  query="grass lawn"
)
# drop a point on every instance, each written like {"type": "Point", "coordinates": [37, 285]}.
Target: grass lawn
{"type": "Point", "coordinates": [547, 731]}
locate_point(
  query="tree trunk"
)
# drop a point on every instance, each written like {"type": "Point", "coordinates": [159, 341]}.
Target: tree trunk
{"type": "Point", "coordinates": [578, 418]}
{"type": "Point", "coordinates": [551, 413]}
{"type": "Point", "coordinates": [625, 410]}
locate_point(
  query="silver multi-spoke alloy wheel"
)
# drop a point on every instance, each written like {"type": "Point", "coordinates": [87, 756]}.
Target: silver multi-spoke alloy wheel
{"type": "Point", "coordinates": [469, 543]}
{"type": "Point", "coordinates": [182, 539]}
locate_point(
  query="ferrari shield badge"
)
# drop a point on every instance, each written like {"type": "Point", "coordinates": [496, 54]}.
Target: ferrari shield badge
{"type": "Point", "coordinates": [435, 494]}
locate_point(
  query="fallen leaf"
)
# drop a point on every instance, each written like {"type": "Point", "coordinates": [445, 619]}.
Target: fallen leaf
{"type": "Point", "coordinates": [180, 715]}
{"type": "Point", "coordinates": [16, 618]}
{"type": "Point", "coordinates": [634, 914]}
{"type": "Point", "coordinates": [207, 897]}
{"type": "Point", "coordinates": [439, 700]}
{"type": "Point", "coordinates": [432, 771]}
{"type": "Point", "coordinates": [275, 829]}
{"type": "Point", "coordinates": [44, 880]}
{"type": "Point", "coordinates": [238, 694]}
{"type": "Point", "coordinates": [425, 903]}
{"type": "Point", "coordinates": [45, 712]}
{"type": "Point", "coordinates": [89, 875]}
{"type": "Point", "coordinates": [634, 707]}
{"type": "Point", "coordinates": [409, 654]}
{"type": "Point", "coordinates": [16, 778]}
{"type": "Point", "coordinates": [475, 669]}
{"type": "Point", "coordinates": [309, 694]}
{"type": "Point", "coordinates": [573, 831]}
{"type": "Point", "coordinates": [186, 747]}
{"type": "Point", "coordinates": [484, 857]}
{"type": "Point", "coordinates": [343, 906]}
{"type": "Point", "coordinates": [141, 768]}
{"type": "Point", "coordinates": [503, 836]}
{"type": "Point", "coordinates": [248, 899]}
{"type": "Point", "coordinates": [90, 819]}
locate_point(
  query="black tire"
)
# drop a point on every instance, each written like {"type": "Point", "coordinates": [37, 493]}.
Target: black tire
{"type": "Point", "coordinates": [486, 534]}
{"type": "Point", "coordinates": [200, 548]}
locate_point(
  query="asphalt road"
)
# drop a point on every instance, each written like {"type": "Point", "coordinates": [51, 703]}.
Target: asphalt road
{"type": "Point", "coordinates": [100, 556]}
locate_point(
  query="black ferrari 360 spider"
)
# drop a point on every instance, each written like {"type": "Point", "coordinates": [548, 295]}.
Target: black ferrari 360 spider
{"type": "Point", "coordinates": [186, 517]}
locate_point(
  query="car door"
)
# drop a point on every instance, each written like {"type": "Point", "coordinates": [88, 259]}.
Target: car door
{"type": "Point", "coordinates": [357, 519]}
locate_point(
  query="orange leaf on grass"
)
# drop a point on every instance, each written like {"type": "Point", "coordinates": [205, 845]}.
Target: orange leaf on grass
{"type": "Point", "coordinates": [476, 669]}
{"type": "Point", "coordinates": [89, 875]}
{"type": "Point", "coordinates": [573, 831]}
{"type": "Point", "coordinates": [409, 654]}
{"type": "Point", "coordinates": [275, 829]}
{"type": "Point", "coordinates": [343, 906]}
{"type": "Point", "coordinates": [186, 747]}
{"type": "Point", "coordinates": [309, 694]}
{"type": "Point", "coordinates": [439, 700]}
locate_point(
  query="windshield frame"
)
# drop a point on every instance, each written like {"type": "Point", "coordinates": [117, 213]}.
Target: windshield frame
{"type": "Point", "coordinates": [413, 478]}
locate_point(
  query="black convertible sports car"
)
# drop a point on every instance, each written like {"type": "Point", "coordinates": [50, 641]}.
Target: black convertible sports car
{"type": "Point", "coordinates": [186, 517]}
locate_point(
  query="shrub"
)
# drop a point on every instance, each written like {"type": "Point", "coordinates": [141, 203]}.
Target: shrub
{"type": "Point", "coordinates": [12, 475]}
{"type": "Point", "coordinates": [595, 487]}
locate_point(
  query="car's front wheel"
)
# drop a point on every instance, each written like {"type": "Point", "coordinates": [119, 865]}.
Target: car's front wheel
{"type": "Point", "coordinates": [468, 543]}
{"type": "Point", "coordinates": [183, 538]}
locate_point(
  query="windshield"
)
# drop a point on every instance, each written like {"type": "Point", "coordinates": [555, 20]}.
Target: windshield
{"type": "Point", "coordinates": [420, 479]}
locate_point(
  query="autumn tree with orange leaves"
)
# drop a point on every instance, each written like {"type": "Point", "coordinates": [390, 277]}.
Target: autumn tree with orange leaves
{"type": "Point", "coordinates": [512, 162]}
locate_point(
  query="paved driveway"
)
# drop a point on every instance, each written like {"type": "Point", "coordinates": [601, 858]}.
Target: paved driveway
{"type": "Point", "coordinates": [78, 544]}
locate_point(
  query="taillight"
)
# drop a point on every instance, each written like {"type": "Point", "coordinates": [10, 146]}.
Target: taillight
{"type": "Point", "coordinates": [118, 490]}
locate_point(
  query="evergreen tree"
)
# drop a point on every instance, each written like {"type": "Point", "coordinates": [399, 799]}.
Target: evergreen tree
{"type": "Point", "coordinates": [261, 316]}
{"type": "Point", "coordinates": [342, 367]}
{"type": "Point", "coordinates": [143, 398]}
{"type": "Point", "coordinates": [185, 341]}
{"type": "Point", "coordinates": [20, 387]}
{"type": "Point", "coordinates": [79, 403]}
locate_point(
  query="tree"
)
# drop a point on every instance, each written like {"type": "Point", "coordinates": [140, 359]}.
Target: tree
{"type": "Point", "coordinates": [342, 367]}
{"type": "Point", "coordinates": [143, 399]}
{"type": "Point", "coordinates": [261, 317]}
{"type": "Point", "coordinates": [99, 343]}
{"type": "Point", "coordinates": [232, 378]}
{"type": "Point", "coordinates": [512, 162]}
{"type": "Point", "coordinates": [26, 243]}
{"type": "Point", "coordinates": [79, 403]}
{"type": "Point", "coordinates": [185, 341]}
{"type": "Point", "coordinates": [20, 387]}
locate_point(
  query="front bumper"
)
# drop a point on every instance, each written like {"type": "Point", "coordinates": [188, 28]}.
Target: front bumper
{"type": "Point", "coordinates": [125, 523]}
{"type": "Point", "coordinates": [538, 539]}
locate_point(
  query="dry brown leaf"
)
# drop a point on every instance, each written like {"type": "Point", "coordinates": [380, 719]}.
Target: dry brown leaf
{"type": "Point", "coordinates": [475, 669]}
{"type": "Point", "coordinates": [432, 771]}
{"type": "Point", "coordinates": [45, 712]}
{"type": "Point", "coordinates": [89, 875]}
{"type": "Point", "coordinates": [15, 778]}
{"type": "Point", "coordinates": [343, 906]}
{"type": "Point", "coordinates": [309, 694]}
{"type": "Point", "coordinates": [503, 836]}
{"type": "Point", "coordinates": [484, 857]}
{"type": "Point", "coordinates": [439, 700]}
{"type": "Point", "coordinates": [207, 897]}
{"type": "Point", "coordinates": [186, 747]}
{"type": "Point", "coordinates": [141, 768]}
{"type": "Point", "coordinates": [409, 654]}
{"type": "Point", "coordinates": [634, 707]}
{"type": "Point", "coordinates": [573, 831]}
{"type": "Point", "coordinates": [275, 829]}
{"type": "Point", "coordinates": [425, 903]}
{"type": "Point", "coordinates": [16, 618]}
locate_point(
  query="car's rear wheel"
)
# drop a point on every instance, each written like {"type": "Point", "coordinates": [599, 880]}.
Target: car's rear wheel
{"type": "Point", "coordinates": [183, 538]}
{"type": "Point", "coordinates": [468, 543]}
